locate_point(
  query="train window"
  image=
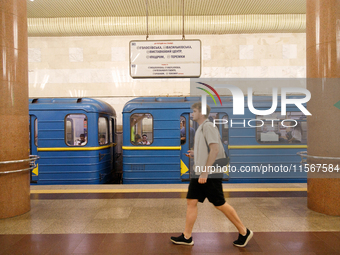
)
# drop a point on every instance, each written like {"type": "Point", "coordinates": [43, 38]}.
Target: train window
{"type": "Point", "coordinates": [183, 132]}
{"type": "Point", "coordinates": [76, 129]}
{"type": "Point", "coordinates": [182, 129]}
{"type": "Point", "coordinates": [111, 130]}
{"type": "Point", "coordinates": [36, 132]}
{"type": "Point", "coordinates": [270, 129]}
{"type": "Point", "coordinates": [103, 131]}
{"type": "Point", "coordinates": [141, 129]}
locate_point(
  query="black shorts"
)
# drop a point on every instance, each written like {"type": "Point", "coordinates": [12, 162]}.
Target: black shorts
{"type": "Point", "coordinates": [212, 189]}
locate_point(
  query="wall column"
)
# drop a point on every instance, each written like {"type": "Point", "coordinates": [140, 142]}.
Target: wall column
{"type": "Point", "coordinates": [14, 143]}
{"type": "Point", "coordinates": [323, 67]}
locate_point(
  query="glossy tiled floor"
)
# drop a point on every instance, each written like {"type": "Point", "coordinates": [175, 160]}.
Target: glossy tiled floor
{"type": "Point", "coordinates": [297, 243]}
{"type": "Point", "coordinates": [141, 219]}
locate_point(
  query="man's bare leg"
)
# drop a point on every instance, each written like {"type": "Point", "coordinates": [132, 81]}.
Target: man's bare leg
{"type": "Point", "coordinates": [231, 214]}
{"type": "Point", "coordinates": [190, 217]}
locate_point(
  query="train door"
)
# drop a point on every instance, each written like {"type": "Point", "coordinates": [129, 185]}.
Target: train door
{"type": "Point", "coordinates": [187, 142]}
{"type": "Point", "coordinates": [33, 128]}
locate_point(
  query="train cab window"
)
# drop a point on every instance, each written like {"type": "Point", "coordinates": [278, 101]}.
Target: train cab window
{"type": "Point", "coordinates": [103, 131]}
{"type": "Point", "coordinates": [111, 130]}
{"type": "Point", "coordinates": [279, 129]}
{"type": "Point", "coordinates": [141, 129]}
{"type": "Point", "coordinates": [76, 130]}
{"type": "Point", "coordinates": [182, 129]}
{"type": "Point", "coordinates": [36, 132]}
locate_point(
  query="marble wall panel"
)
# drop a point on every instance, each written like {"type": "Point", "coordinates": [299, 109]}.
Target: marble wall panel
{"type": "Point", "coordinates": [206, 52]}
{"type": "Point", "coordinates": [76, 54]}
{"type": "Point", "coordinates": [246, 51]}
{"type": "Point", "coordinates": [118, 54]}
{"type": "Point", "coordinates": [101, 64]}
{"type": "Point", "coordinates": [289, 51]}
{"type": "Point", "coordinates": [34, 55]}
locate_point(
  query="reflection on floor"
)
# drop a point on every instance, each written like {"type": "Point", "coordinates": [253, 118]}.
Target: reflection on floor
{"type": "Point", "coordinates": [141, 221]}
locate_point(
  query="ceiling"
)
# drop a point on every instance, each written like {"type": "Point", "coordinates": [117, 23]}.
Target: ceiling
{"type": "Point", "coordinates": [128, 17]}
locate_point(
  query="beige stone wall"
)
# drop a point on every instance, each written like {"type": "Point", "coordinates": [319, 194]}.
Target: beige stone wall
{"type": "Point", "coordinates": [99, 66]}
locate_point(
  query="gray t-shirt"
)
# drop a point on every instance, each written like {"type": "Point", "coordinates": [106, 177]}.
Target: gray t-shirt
{"type": "Point", "coordinates": [211, 135]}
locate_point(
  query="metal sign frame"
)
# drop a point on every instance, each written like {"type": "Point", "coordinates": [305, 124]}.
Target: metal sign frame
{"type": "Point", "coordinates": [167, 76]}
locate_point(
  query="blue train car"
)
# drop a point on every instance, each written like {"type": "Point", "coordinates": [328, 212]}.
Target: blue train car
{"type": "Point", "coordinates": [74, 139]}
{"type": "Point", "coordinates": [259, 147]}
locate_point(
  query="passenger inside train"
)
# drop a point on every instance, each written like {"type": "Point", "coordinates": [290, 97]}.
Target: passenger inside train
{"type": "Point", "coordinates": [141, 125]}
{"type": "Point", "coordinates": [182, 128]}
{"type": "Point", "coordinates": [144, 140]}
{"type": "Point", "coordinates": [82, 140]}
{"type": "Point", "coordinates": [183, 133]}
{"type": "Point", "coordinates": [102, 140]}
{"type": "Point", "coordinates": [295, 135]}
{"type": "Point", "coordinates": [138, 140]}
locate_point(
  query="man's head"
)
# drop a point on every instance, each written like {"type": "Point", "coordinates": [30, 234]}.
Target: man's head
{"type": "Point", "coordinates": [144, 137]}
{"type": "Point", "coordinates": [197, 113]}
{"type": "Point", "coordinates": [82, 138]}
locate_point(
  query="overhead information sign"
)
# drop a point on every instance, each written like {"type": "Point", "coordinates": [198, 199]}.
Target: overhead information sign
{"type": "Point", "coordinates": [158, 59]}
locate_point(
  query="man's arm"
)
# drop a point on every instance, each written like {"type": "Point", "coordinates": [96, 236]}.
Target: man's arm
{"type": "Point", "coordinates": [214, 149]}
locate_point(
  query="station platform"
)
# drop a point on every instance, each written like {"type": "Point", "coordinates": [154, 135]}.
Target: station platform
{"type": "Point", "coordinates": [140, 219]}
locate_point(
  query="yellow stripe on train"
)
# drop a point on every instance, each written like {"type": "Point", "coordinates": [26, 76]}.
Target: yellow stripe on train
{"type": "Point", "coordinates": [151, 147]}
{"type": "Point", "coordinates": [77, 148]}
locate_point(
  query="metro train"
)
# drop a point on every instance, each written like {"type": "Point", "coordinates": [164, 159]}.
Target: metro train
{"type": "Point", "coordinates": [154, 143]}
{"type": "Point", "coordinates": [74, 138]}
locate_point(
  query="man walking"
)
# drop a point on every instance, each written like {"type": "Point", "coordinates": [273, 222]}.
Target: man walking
{"type": "Point", "coordinates": [208, 148]}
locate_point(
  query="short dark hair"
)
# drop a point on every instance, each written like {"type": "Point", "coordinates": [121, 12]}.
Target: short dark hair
{"type": "Point", "coordinates": [198, 106]}
{"type": "Point", "coordinates": [144, 135]}
{"type": "Point", "coordinates": [82, 135]}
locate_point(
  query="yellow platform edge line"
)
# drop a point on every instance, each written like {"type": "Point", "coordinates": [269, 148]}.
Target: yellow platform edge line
{"type": "Point", "coordinates": [157, 190]}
